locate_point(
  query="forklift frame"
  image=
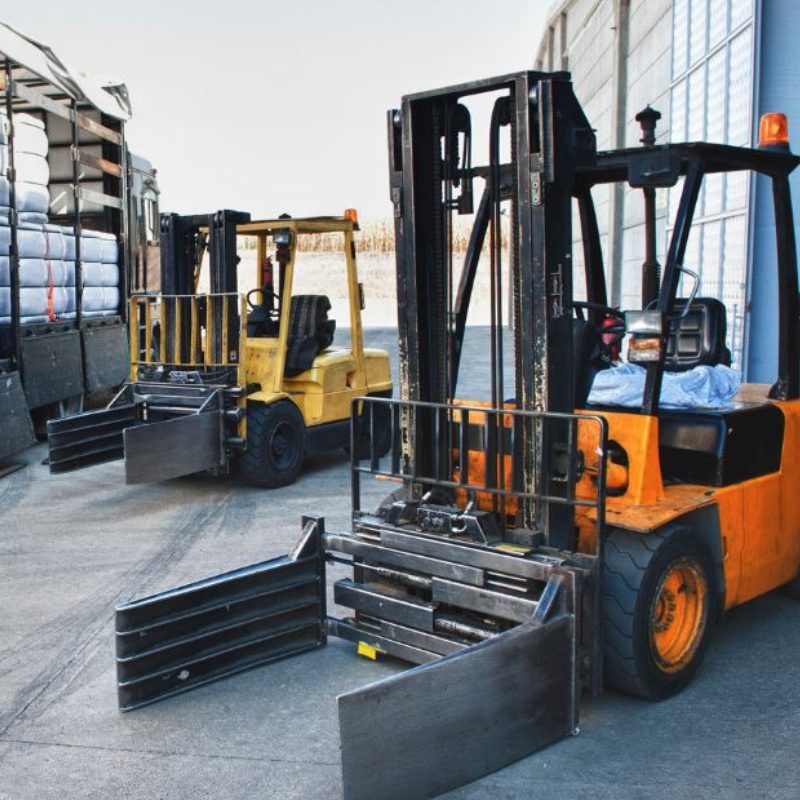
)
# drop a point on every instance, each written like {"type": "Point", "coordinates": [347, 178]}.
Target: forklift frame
{"type": "Point", "coordinates": [485, 586]}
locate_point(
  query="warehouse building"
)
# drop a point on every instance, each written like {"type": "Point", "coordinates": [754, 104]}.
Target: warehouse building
{"type": "Point", "coordinates": [711, 67]}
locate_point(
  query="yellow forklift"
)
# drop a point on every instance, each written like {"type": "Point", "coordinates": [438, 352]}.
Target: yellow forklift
{"type": "Point", "coordinates": [541, 543]}
{"type": "Point", "coordinates": [219, 377]}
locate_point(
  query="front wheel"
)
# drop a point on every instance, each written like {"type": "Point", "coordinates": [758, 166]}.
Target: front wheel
{"type": "Point", "coordinates": [275, 445]}
{"type": "Point", "coordinates": [659, 601]}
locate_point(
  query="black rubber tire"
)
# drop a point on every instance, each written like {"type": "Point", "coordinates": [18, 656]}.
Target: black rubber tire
{"type": "Point", "coordinates": [275, 445]}
{"type": "Point", "coordinates": [793, 588]}
{"type": "Point", "coordinates": [383, 432]}
{"type": "Point", "coordinates": [633, 567]}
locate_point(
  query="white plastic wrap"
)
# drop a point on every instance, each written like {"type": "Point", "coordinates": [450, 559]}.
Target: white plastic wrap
{"type": "Point", "coordinates": [91, 247]}
{"type": "Point", "coordinates": [97, 274]}
{"type": "Point", "coordinates": [69, 243]}
{"type": "Point", "coordinates": [40, 241]}
{"type": "Point", "coordinates": [29, 134]}
{"type": "Point", "coordinates": [41, 272]}
{"type": "Point", "coordinates": [30, 196]}
{"type": "Point", "coordinates": [109, 253]}
{"type": "Point", "coordinates": [103, 300]}
{"type": "Point", "coordinates": [33, 217]}
{"type": "Point", "coordinates": [33, 300]}
{"type": "Point", "coordinates": [32, 168]}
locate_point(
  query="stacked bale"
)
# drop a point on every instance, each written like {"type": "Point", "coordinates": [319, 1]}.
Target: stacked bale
{"type": "Point", "coordinates": [47, 252]}
{"type": "Point", "coordinates": [100, 258]}
{"type": "Point", "coordinates": [30, 162]}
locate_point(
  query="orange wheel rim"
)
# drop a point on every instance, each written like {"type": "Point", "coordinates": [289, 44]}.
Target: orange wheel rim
{"type": "Point", "coordinates": [678, 615]}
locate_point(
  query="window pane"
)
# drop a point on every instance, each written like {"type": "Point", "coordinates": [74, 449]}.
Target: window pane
{"type": "Point", "coordinates": [741, 10]}
{"type": "Point", "coordinates": [710, 268]}
{"type": "Point", "coordinates": [736, 191]}
{"type": "Point", "coordinates": [697, 104]}
{"type": "Point", "coordinates": [739, 89]}
{"type": "Point", "coordinates": [680, 20]}
{"type": "Point", "coordinates": [678, 112]}
{"type": "Point", "coordinates": [733, 282]}
{"type": "Point", "coordinates": [713, 199]}
{"type": "Point", "coordinates": [717, 22]}
{"type": "Point", "coordinates": [691, 260]}
{"type": "Point", "coordinates": [697, 31]}
{"type": "Point", "coordinates": [715, 131]}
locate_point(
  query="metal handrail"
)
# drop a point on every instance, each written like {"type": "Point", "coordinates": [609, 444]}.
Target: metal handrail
{"type": "Point", "coordinates": [455, 474]}
{"type": "Point", "coordinates": [196, 330]}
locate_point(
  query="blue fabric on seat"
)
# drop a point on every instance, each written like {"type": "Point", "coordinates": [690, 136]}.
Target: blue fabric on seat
{"type": "Point", "coordinates": [700, 387]}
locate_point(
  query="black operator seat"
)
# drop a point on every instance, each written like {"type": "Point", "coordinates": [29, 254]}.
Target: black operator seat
{"type": "Point", "coordinates": [310, 331]}
{"type": "Point", "coordinates": [586, 358]}
{"type": "Point", "coordinates": [697, 337]}
{"type": "Point", "coordinates": [707, 446]}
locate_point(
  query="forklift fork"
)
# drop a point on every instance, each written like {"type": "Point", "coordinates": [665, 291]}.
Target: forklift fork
{"type": "Point", "coordinates": [469, 709]}
{"type": "Point", "coordinates": [161, 430]}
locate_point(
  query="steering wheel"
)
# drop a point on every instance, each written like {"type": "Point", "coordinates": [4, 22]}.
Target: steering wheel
{"type": "Point", "coordinates": [611, 328]}
{"type": "Point", "coordinates": [276, 310]}
{"type": "Point", "coordinates": [609, 311]}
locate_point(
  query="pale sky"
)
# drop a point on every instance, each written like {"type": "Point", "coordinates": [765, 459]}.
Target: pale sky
{"type": "Point", "coordinates": [274, 106]}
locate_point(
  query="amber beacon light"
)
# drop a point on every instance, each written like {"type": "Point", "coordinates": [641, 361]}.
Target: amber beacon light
{"type": "Point", "coordinates": [773, 130]}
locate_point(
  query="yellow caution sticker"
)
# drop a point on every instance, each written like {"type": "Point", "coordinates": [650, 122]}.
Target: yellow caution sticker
{"type": "Point", "coordinates": [513, 548]}
{"type": "Point", "coordinates": [368, 651]}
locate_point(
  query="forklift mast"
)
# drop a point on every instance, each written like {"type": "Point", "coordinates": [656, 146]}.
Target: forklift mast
{"type": "Point", "coordinates": [184, 239]}
{"type": "Point", "coordinates": [538, 122]}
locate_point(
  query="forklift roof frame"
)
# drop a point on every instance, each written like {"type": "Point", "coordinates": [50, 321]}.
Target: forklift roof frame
{"type": "Point", "coordinates": [692, 161]}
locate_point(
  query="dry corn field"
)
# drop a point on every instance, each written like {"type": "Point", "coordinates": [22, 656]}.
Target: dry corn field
{"type": "Point", "coordinates": [320, 269]}
{"type": "Point", "coordinates": [374, 237]}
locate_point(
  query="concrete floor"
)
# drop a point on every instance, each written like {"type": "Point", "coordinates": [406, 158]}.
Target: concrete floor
{"type": "Point", "coordinates": [72, 546]}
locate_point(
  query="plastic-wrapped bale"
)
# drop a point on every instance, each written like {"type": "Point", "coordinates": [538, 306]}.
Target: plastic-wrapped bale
{"type": "Point", "coordinates": [46, 272]}
{"type": "Point", "coordinates": [46, 292]}
{"type": "Point", "coordinates": [40, 241]}
{"type": "Point", "coordinates": [99, 247]}
{"type": "Point", "coordinates": [98, 274]}
{"type": "Point", "coordinates": [100, 301]}
{"type": "Point", "coordinates": [100, 256]}
{"type": "Point", "coordinates": [30, 162]}
{"type": "Point", "coordinates": [47, 280]}
{"type": "Point", "coordinates": [68, 234]}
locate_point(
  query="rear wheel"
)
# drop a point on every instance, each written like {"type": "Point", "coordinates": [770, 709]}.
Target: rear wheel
{"type": "Point", "coordinates": [275, 445]}
{"type": "Point", "coordinates": [659, 600]}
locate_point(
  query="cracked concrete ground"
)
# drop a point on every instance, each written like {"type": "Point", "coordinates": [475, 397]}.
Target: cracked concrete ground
{"type": "Point", "coordinates": [71, 546]}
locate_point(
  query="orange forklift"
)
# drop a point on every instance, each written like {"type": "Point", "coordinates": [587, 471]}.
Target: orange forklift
{"type": "Point", "coordinates": [541, 543]}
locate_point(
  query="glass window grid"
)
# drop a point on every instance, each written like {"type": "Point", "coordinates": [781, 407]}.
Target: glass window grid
{"type": "Point", "coordinates": [702, 44]}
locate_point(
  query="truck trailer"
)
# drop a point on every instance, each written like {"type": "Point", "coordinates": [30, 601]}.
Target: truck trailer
{"type": "Point", "coordinates": [78, 224]}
